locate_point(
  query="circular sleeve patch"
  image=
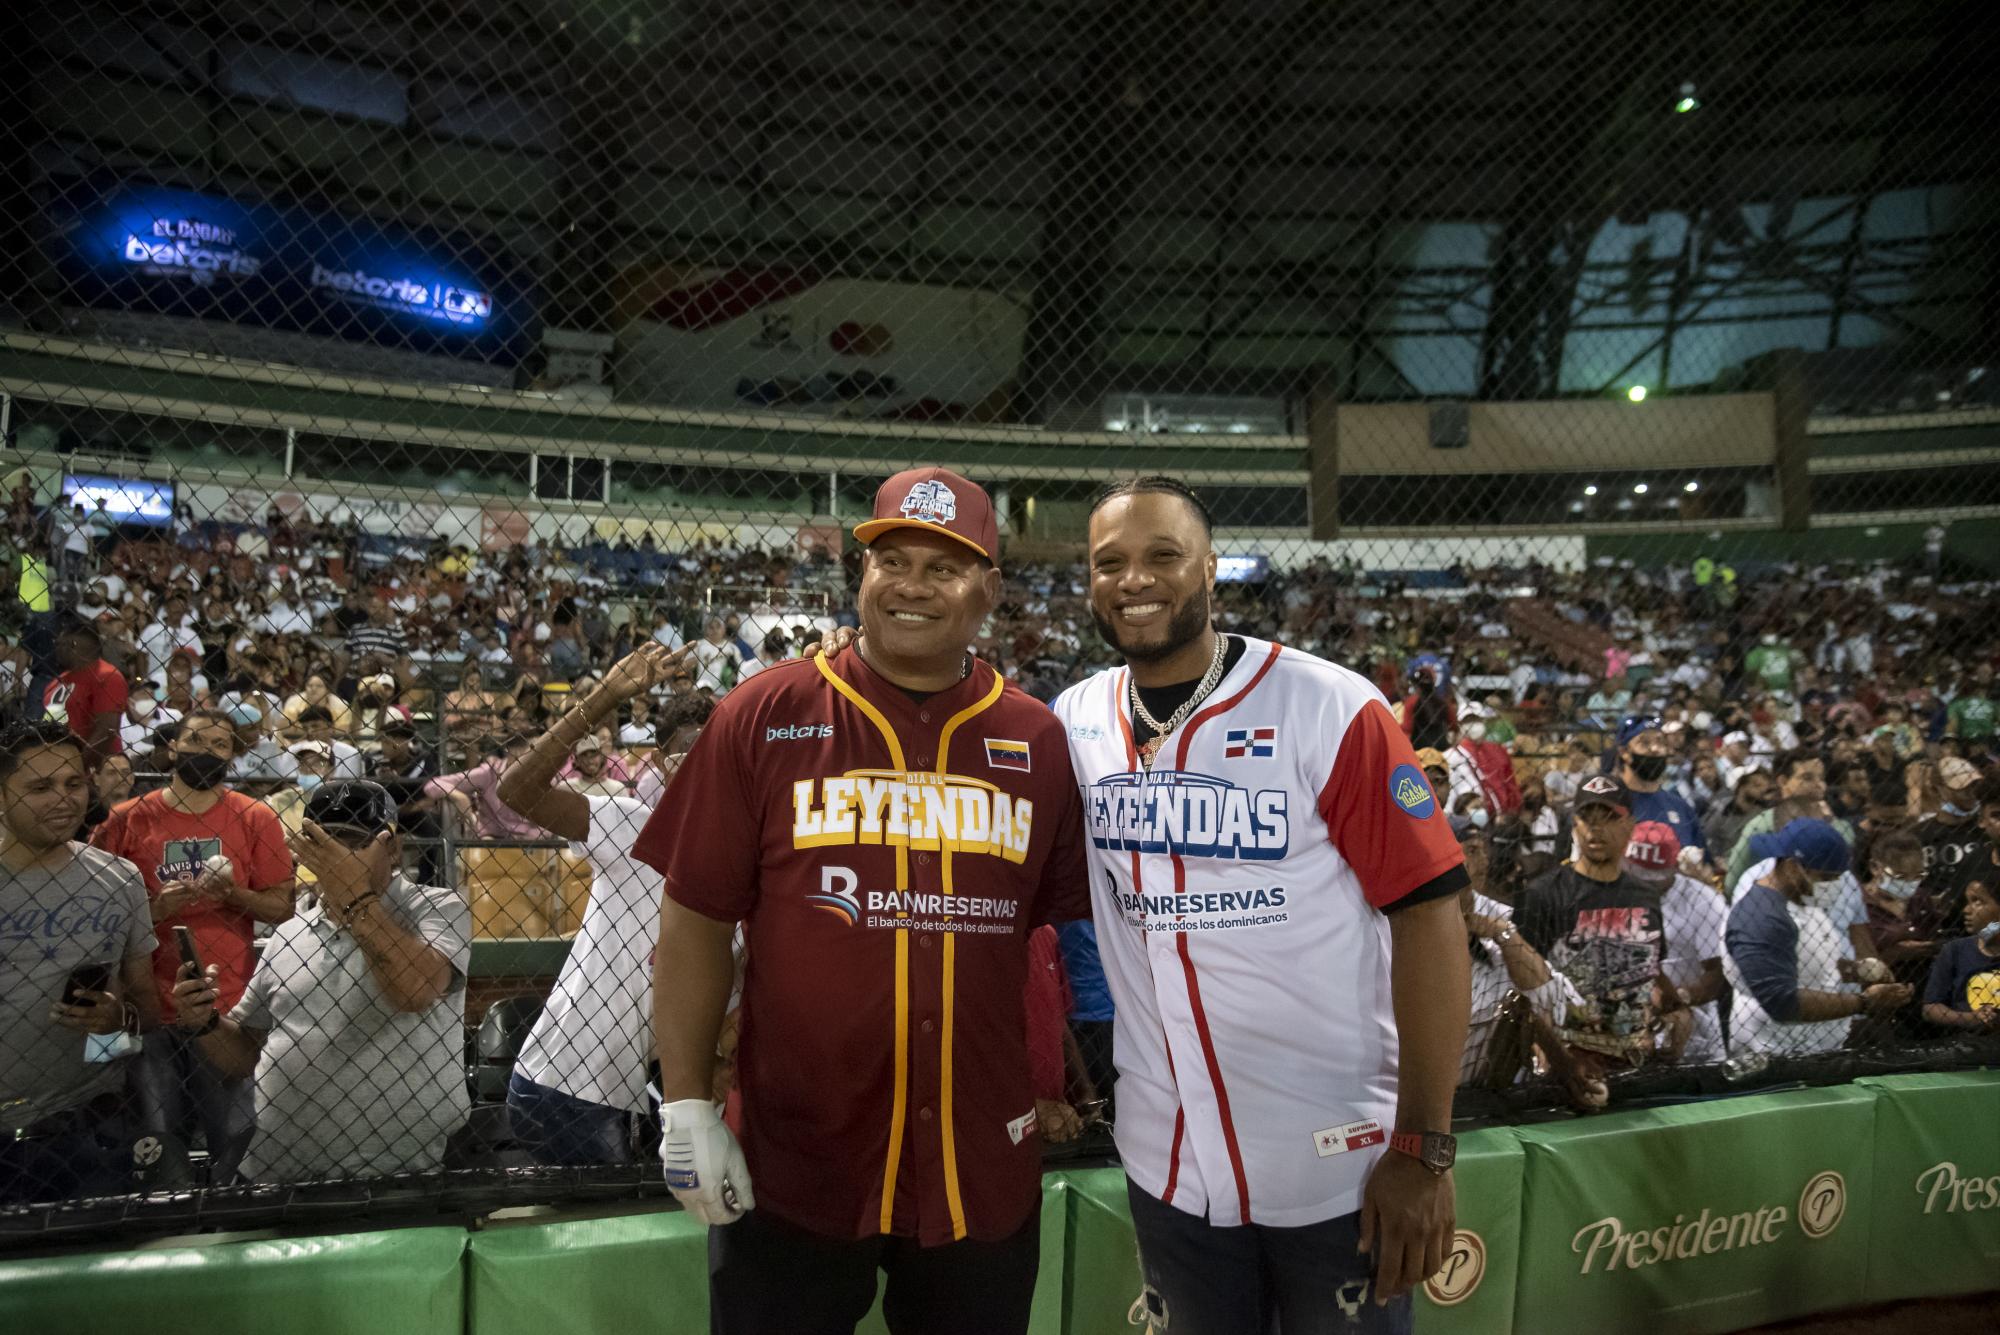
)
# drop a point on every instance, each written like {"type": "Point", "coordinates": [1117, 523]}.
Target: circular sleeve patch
{"type": "Point", "coordinates": [1410, 790]}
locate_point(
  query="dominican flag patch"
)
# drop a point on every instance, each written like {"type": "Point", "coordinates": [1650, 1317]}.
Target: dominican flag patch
{"type": "Point", "coordinates": [1256, 743]}
{"type": "Point", "coordinates": [1002, 754]}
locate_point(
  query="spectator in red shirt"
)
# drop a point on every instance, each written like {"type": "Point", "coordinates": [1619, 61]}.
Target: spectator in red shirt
{"type": "Point", "coordinates": [216, 862]}
{"type": "Point", "coordinates": [89, 692]}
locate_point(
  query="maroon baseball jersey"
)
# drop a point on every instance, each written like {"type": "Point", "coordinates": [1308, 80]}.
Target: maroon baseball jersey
{"type": "Point", "coordinates": [888, 857]}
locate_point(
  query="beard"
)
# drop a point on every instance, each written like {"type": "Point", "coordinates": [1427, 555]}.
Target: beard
{"type": "Point", "coordinates": [1187, 625]}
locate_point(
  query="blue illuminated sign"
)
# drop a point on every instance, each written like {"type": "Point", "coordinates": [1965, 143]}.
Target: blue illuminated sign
{"type": "Point", "coordinates": [181, 252]}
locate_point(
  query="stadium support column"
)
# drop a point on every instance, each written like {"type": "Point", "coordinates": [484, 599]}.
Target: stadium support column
{"type": "Point", "coordinates": [1783, 374]}
{"type": "Point", "coordinates": [1323, 455]}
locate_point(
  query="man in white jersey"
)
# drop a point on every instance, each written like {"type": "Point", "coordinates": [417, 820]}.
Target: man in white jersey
{"type": "Point", "coordinates": [583, 1069]}
{"type": "Point", "coordinates": [1276, 897]}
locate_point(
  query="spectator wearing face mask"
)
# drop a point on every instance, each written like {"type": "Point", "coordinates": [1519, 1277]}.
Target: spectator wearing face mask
{"type": "Point", "coordinates": [1954, 847]}
{"type": "Point", "coordinates": [1735, 759]}
{"type": "Point", "coordinates": [1895, 870]}
{"type": "Point", "coordinates": [1782, 955]}
{"type": "Point", "coordinates": [144, 716]}
{"type": "Point", "coordinates": [214, 861]}
{"type": "Point", "coordinates": [1694, 915]}
{"type": "Point", "coordinates": [1478, 765]}
{"type": "Point", "coordinates": [1644, 754]}
{"type": "Point", "coordinates": [1963, 991]}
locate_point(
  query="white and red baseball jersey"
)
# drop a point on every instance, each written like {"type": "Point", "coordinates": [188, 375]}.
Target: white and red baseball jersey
{"type": "Point", "coordinates": [1239, 889]}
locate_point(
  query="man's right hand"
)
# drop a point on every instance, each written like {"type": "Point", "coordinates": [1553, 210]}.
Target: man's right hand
{"type": "Point", "coordinates": [641, 670]}
{"type": "Point", "coordinates": [173, 898]}
{"type": "Point", "coordinates": [705, 1167]}
{"type": "Point", "coordinates": [1883, 998]}
{"type": "Point", "coordinates": [195, 997]}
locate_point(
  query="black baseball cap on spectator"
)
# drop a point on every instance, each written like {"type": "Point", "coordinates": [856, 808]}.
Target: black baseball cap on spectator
{"type": "Point", "coordinates": [1605, 790]}
{"type": "Point", "coordinates": [354, 804]}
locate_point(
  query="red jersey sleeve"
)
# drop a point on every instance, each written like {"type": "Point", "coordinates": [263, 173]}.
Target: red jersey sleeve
{"type": "Point", "coordinates": [108, 693]}
{"type": "Point", "coordinates": [1381, 813]}
{"type": "Point", "coordinates": [706, 835]}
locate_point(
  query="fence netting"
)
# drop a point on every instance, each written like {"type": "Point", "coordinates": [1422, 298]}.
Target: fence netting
{"type": "Point", "coordinates": [1609, 389]}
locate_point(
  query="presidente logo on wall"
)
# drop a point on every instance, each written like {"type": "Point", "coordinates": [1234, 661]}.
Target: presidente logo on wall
{"type": "Point", "coordinates": [796, 341]}
{"type": "Point", "coordinates": [1611, 1243]}
{"type": "Point", "coordinates": [1947, 1190]}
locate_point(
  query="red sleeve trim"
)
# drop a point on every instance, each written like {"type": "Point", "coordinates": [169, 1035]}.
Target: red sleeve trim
{"type": "Point", "coordinates": [1394, 843]}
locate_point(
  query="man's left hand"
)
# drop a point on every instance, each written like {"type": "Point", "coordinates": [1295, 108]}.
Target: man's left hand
{"type": "Point", "coordinates": [1407, 1217]}
{"type": "Point", "coordinates": [341, 873]}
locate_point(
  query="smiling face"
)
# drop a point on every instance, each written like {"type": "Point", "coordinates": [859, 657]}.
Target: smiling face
{"type": "Point", "coordinates": [923, 597]}
{"type": "Point", "coordinates": [46, 795]}
{"type": "Point", "coordinates": [1152, 575]}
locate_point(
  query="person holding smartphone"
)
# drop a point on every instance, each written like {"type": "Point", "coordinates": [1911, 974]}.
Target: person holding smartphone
{"type": "Point", "coordinates": [81, 953]}
{"type": "Point", "coordinates": [214, 861]}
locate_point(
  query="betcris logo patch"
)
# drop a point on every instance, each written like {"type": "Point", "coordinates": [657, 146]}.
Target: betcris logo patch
{"type": "Point", "coordinates": [799, 732]}
{"type": "Point", "coordinates": [1410, 790]}
{"type": "Point", "coordinates": [1188, 815]}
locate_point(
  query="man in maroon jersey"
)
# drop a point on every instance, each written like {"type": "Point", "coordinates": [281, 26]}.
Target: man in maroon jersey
{"type": "Point", "coordinates": [887, 824]}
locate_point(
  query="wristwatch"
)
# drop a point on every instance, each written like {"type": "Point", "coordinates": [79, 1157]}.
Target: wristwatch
{"type": "Point", "coordinates": [1433, 1149]}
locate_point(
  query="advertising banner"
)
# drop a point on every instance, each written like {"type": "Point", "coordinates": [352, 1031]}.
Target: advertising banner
{"type": "Point", "coordinates": [1474, 1293]}
{"type": "Point", "coordinates": [1937, 1184]}
{"type": "Point", "coordinates": [166, 251]}
{"type": "Point", "coordinates": [797, 342]}
{"type": "Point", "coordinates": [1699, 1218]}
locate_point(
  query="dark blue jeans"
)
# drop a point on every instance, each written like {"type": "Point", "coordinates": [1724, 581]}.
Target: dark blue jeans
{"type": "Point", "coordinates": [1255, 1279]}
{"type": "Point", "coordinates": [563, 1131]}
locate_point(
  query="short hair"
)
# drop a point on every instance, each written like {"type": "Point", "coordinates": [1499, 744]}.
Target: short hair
{"type": "Point", "coordinates": [196, 717]}
{"type": "Point", "coordinates": [315, 714]}
{"type": "Point", "coordinates": [682, 711]}
{"type": "Point", "coordinates": [22, 738]}
{"type": "Point", "coordinates": [80, 628]}
{"type": "Point", "coordinates": [1896, 842]}
{"type": "Point", "coordinates": [1790, 762]}
{"type": "Point", "coordinates": [1154, 484]}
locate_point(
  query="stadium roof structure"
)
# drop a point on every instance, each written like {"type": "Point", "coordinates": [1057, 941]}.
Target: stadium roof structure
{"type": "Point", "coordinates": [1416, 198]}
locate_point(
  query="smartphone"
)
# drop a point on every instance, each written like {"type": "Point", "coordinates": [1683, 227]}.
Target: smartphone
{"type": "Point", "coordinates": [86, 978]}
{"type": "Point", "coordinates": [190, 958]}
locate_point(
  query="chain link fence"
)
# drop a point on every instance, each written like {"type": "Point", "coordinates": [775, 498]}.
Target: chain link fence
{"type": "Point", "coordinates": [1610, 389]}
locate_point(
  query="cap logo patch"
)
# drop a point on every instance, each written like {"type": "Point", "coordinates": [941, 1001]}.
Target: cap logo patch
{"type": "Point", "coordinates": [1412, 792]}
{"type": "Point", "coordinates": [1601, 787]}
{"type": "Point", "coordinates": [931, 502]}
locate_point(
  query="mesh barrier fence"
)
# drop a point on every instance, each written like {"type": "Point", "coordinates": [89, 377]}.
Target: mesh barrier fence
{"type": "Point", "coordinates": [377, 377]}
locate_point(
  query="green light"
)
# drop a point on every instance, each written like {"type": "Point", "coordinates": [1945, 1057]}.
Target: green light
{"type": "Point", "coordinates": [1637, 393]}
{"type": "Point", "coordinates": [1685, 105]}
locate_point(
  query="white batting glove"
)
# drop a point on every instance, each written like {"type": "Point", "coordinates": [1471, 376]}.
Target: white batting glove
{"type": "Point", "coordinates": [705, 1167]}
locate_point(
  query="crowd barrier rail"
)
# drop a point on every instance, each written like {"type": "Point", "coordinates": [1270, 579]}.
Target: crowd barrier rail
{"type": "Point", "coordinates": [1681, 1220]}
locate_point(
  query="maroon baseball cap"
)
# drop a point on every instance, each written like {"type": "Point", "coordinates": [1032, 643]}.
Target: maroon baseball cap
{"type": "Point", "coordinates": [936, 499]}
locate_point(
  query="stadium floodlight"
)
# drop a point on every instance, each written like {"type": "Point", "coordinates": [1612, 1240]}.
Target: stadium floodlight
{"type": "Point", "coordinates": [1590, 490]}
{"type": "Point", "coordinates": [1637, 393]}
{"type": "Point", "coordinates": [1692, 486]}
{"type": "Point", "coordinates": [1688, 101]}
{"type": "Point", "coordinates": [1638, 489]}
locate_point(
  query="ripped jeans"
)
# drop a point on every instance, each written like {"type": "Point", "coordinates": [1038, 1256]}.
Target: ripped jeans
{"type": "Point", "coordinates": [1255, 1279]}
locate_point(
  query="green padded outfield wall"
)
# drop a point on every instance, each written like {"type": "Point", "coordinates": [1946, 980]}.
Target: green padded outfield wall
{"type": "Point", "coordinates": [647, 1274]}
{"type": "Point", "coordinates": [1936, 1205]}
{"type": "Point", "coordinates": [1699, 1218]}
{"type": "Point", "coordinates": [407, 1281]}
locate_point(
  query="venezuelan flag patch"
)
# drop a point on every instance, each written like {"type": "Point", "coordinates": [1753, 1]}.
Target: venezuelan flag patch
{"type": "Point", "coordinates": [1002, 754]}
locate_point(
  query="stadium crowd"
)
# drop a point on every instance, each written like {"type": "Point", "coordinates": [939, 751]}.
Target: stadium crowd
{"type": "Point", "coordinates": [1706, 818]}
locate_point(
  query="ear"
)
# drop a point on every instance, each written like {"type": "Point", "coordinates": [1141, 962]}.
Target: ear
{"type": "Point", "coordinates": [1209, 567]}
{"type": "Point", "coordinates": [994, 583]}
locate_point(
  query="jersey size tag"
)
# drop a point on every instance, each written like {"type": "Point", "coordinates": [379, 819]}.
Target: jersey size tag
{"type": "Point", "coordinates": [1354, 1136]}
{"type": "Point", "coordinates": [1018, 1129]}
